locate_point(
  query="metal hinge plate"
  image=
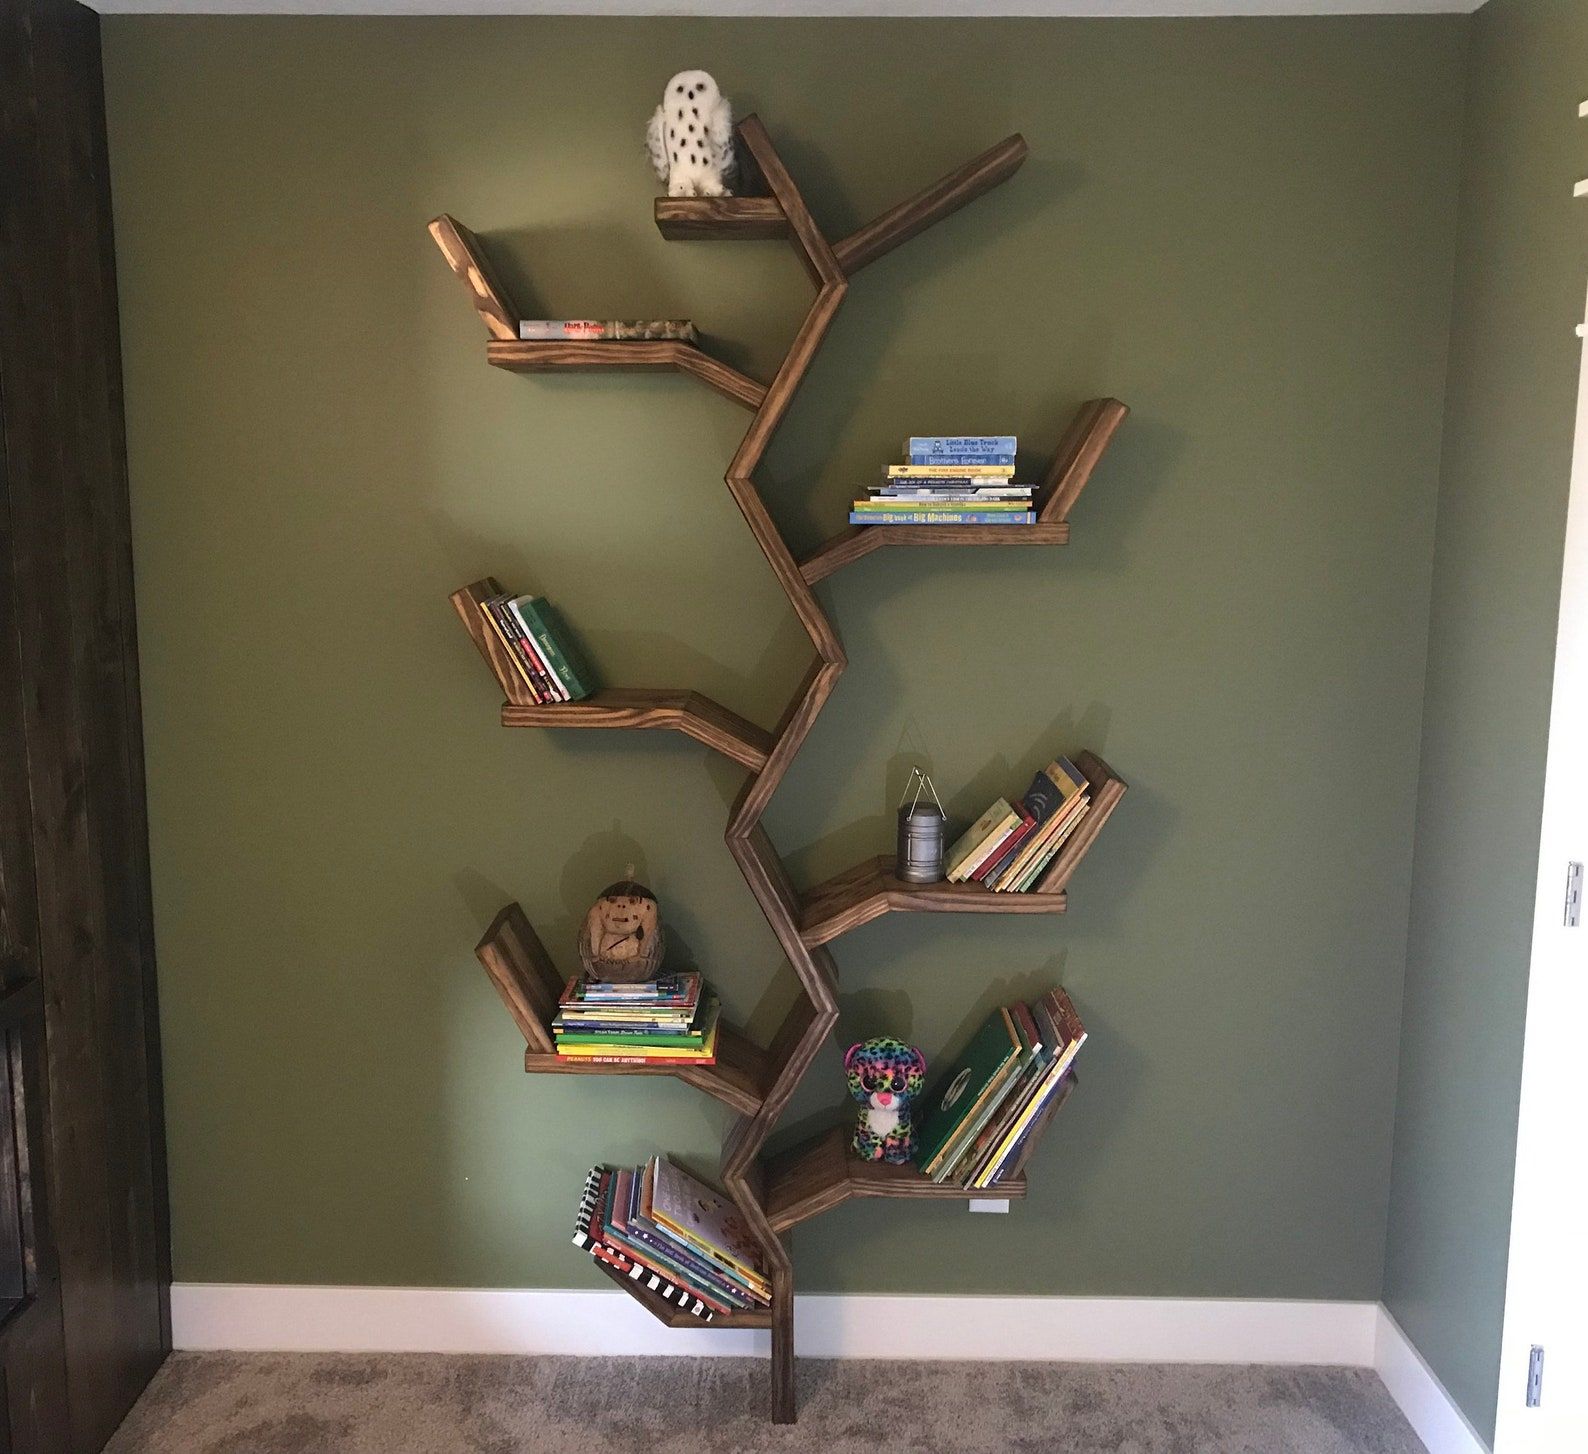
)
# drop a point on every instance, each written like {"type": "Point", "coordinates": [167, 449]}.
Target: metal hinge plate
{"type": "Point", "coordinates": [1535, 1376]}
{"type": "Point", "coordinates": [1573, 895]}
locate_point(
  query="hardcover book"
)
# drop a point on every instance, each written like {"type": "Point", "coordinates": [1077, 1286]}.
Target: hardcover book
{"type": "Point", "coordinates": [930, 448]}
{"type": "Point", "coordinates": [988, 828]}
{"type": "Point", "coordinates": [704, 1218]}
{"type": "Point", "coordinates": [556, 643]}
{"type": "Point", "coordinates": [971, 1082]}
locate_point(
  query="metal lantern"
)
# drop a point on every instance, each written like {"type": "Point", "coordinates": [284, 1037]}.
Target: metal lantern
{"type": "Point", "coordinates": [920, 857]}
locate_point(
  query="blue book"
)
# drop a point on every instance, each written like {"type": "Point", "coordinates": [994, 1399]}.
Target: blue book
{"type": "Point", "coordinates": [961, 443]}
{"type": "Point", "coordinates": [960, 449]}
{"type": "Point", "coordinates": [922, 457]}
{"type": "Point", "coordinates": [942, 517]}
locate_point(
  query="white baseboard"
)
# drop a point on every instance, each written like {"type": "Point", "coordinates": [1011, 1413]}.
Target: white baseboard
{"type": "Point", "coordinates": [1413, 1385]}
{"type": "Point", "coordinates": [258, 1318]}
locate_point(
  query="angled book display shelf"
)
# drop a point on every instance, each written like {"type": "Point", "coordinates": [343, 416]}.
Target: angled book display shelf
{"type": "Point", "coordinates": [774, 1194]}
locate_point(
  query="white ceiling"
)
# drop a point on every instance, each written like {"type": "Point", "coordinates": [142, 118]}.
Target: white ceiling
{"type": "Point", "coordinates": [787, 7]}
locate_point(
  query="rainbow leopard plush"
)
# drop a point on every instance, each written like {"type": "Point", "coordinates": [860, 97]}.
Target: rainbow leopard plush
{"type": "Point", "coordinates": [885, 1076]}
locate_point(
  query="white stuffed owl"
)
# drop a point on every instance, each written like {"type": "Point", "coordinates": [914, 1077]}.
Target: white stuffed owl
{"type": "Point", "coordinates": [690, 138]}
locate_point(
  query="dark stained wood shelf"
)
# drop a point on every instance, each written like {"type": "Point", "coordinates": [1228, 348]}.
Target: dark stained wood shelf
{"type": "Point", "coordinates": [665, 708]}
{"type": "Point", "coordinates": [1062, 482]}
{"type": "Point", "coordinates": [653, 707]}
{"type": "Point", "coordinates": [738, 1079]}
{"type": "Point", "coordinates": [856, 541]}
{"type": "Point", "coordinates": [675, 1317]}
{"type": "Point", "coordinates": [683, 219]}
{"type": "Point", "coordinates": [529, 985]}
{"type": "Point", "coordinates": [822, 1173]}
{"type": "Point", "coordinates": [525, 357]}
{"type": "Point", "coordinates": [872, 889]}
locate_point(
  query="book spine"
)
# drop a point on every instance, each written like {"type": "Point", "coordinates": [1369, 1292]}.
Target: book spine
{"type": "Point", "coordinates": [519, 664]}
{"type": "Point", "coordinates": [951, 471]}
{"type": "Point", "coordinates": [923, 489]}
{"type": "Point", "coordinates": [583, 1059]}
{"type": "Point", "coordinates": [1006, 852]}
{"type": "Point", "coordinates": [932, 502]}
{"type": "Point", "coordinates": [569, 665]}
{"type": "Point", "coordinates": [546, 689]}
{"type": "Point", "coordinates": [554, 683]}
{"type": "Point", "coordinates": [942, 517]}
{"type": "Point", "coordinates": [941, 444]}
{"type": "Point", "coordinates": [592, 330]}
{"type": "Point", "coordinates": [650, 1273]}
{"type": "Point", "coordinates": [648, 1240]}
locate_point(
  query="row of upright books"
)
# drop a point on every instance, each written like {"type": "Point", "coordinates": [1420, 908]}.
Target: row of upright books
{"type": "Point", "coordinates": [976, 1133]}
{"type": "Point", "coordinates": [959, 479]}
{"type": "Point", "coordinates": [673, 1235]}
{"type": "Point", "coordinates": [544, 652]}
{"type": "Point", "coordinates": [1009, 848]}
{"type": "Point", "coordinates": [667, 1021]}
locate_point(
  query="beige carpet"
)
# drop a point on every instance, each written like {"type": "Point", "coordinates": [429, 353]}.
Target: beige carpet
{"type": "Point", "coordinates": [433, 1404]}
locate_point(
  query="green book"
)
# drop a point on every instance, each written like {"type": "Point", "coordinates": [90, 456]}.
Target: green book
{"type": "Point", "coordinates": [551, 635]}
{"type": "Point", "coordinates": [970, 1088]}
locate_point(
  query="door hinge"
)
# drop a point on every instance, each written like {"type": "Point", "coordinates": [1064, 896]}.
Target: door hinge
{"type": "Point", "coordinates": [1573, 895]}
{"type": "Point", "coordinates": [1535, 1376]}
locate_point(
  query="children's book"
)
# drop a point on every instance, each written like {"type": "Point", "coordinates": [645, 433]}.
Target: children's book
{"type": "Point", "coordinates": [971, 1085]}
{"type": "Point", "coordinates": [979, 838]}
{"type": "Point", "coordinates": [704, 1218]}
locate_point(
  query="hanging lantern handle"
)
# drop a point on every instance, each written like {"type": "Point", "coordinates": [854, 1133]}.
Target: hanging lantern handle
{"type": "Point", "coordinates": [920, 781]}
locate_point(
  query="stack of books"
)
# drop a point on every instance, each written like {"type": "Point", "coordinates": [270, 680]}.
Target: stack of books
{"type": "Point", "coordinates": [544, 652]}
{"type": "Point", "coordinates": [666, 1021]}
{"type": "Point", "coordinates": [965, 479]}
{"type": "Point", "coordinates": [978, 1124]}
{"type": "Point", "coordinates": [1010, 846]}
{"type": "Point", "coordinates": [683, 1240]}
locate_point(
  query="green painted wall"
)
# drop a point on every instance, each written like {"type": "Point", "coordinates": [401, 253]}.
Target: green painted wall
{"type": "Point", "coordinates": [1244, 229]}
{"type": "Point", "coordinates": [1522, 261]}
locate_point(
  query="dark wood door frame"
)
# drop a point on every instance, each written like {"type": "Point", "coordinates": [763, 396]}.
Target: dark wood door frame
{"type": "Point", "coordinates": [75, 910]}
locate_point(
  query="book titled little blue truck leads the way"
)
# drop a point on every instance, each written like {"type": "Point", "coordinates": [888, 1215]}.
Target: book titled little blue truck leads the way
{"type": "Point", "coordinates": [950, 479]}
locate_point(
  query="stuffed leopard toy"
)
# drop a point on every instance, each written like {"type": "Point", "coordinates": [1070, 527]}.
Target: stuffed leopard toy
{"type": "Point", "coordinates": [885, 1076]}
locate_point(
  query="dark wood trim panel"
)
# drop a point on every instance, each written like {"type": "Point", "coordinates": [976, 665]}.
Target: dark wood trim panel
{"type": "Point", "coordinates": [78, 916]}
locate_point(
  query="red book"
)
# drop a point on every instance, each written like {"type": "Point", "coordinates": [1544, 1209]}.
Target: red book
{"type": "Point", "coordinates": [1011, 845]}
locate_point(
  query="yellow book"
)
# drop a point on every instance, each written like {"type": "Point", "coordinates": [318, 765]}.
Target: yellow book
{"type": "Point", "coordinates": [965, 856]}
{"type": "Point", "coordinates": [519, 664]}
{"type": "Point", "coordinates": [1061, 772]}
{"type": "Point", "coordinates": [1054, 832]}
{"type": "Point", "coordinates": [707, 1051]}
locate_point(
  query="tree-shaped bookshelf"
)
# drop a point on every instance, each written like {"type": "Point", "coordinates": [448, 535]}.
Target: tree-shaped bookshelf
{"type": "Point", "coordinates": [774, 1194]}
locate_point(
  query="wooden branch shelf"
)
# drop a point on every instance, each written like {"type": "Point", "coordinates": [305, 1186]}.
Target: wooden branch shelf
{"type": "Point", "coordinates": [822, 1173]}
{"type": "Point", "coordinates": [1062, 482]}
{"type": "Point", "coordinates": [530, 986]}
{"type": "Point", "coordinates": [675, 1317]}
{"type": "Point", "coordinates": [872, 889]}
{"type": "Point", "coordinates": [857, 541]}
{"type": "Point", "coordinates": [772, 1196]}
{"type": "Point", "coordinates": [663, 708]}
{"type": "Point", "coordinates": [687, 219]}
{"type": "Point", "coordinates": [628, 356]}
{"type": "Point", "coordinates": [653, 707]}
